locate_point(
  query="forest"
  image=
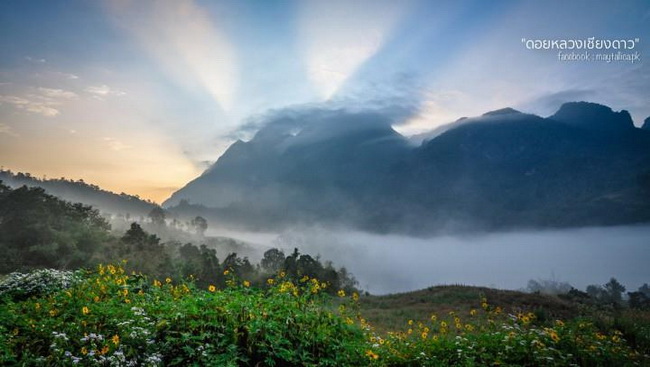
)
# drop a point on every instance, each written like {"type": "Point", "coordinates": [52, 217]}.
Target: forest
{"type": "Point", "coordinates": [38, 230]}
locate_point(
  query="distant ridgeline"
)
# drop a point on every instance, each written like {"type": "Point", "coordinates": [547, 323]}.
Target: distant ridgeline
{"type": "Point", "coordinates": [585, 165]}
{"type": "Point", "coordinates": [79, 191]}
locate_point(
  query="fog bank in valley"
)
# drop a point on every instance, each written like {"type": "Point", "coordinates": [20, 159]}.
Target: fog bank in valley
{"type": "Point", "coordinates": [392, 263]}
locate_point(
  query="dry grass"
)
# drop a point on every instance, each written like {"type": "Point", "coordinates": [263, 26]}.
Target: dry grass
{"type": "Point", "coordinates": [392, 311]}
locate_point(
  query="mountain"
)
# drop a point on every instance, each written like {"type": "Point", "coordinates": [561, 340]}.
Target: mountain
{"type": "Point", "coordinates": [81, 192]}
{"type": "Point", "coordinates": [584, 165]}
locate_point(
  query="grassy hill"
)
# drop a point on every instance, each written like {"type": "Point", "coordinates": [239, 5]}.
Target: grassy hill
{"type": "Point", "coordinates": [393, 311]}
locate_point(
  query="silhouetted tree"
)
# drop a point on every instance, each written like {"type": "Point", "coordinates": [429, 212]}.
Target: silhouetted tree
{"type": "Point", "coordinates": [614, 291]}
{"type": "Point", "coordinates": [200, 225]}
{"type": "Point", "coordinates": [157, 216]}
{"type": "Point", "coordinates": [272, 261]}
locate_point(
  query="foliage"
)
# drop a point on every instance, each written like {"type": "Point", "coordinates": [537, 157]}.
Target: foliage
{"type": "Point", "coordinates": [116, 318]}
{"type": "Point", "coordinates": [113, 318]}
{"type": "Point", "coordinates": [37, 283]}
{"type": "Point", "coordinates": [39, 230]}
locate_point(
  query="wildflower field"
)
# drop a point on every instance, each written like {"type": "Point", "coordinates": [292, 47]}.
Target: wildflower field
{"type": "Point", "coordinates": [108, 317]}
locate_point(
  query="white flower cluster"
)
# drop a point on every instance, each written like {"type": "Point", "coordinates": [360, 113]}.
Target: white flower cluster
{"type": "Point", "coordinates": [38, 282]}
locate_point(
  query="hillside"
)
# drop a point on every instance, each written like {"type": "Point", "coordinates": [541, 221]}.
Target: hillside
{"type": "Point", "coordinates": [81, 192]}
{"type": "Point", "coordinates": [585, 165]}
{"type": "Point", "coordinates": [388, 312]}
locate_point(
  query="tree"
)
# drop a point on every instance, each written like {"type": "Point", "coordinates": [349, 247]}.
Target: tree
{"type": "Point", "coordinates": [272, 261]}
{"type": "Point", "coordinates": [645, 289]}
{"type": "Point", "coordinates": [596, 292]}
{"type": "Point", "coordinates": [140, 239]}
{"type": "Point", "coordinates": [638, 300]}
{"type": "Point", "coordinates": [200, 225]}
{"type": "Point", "coordinates": [614, 291]}
{"type": "Point", "coordinates": [157, 216]}
{"type": "Point", "coordinates": [548, 286]}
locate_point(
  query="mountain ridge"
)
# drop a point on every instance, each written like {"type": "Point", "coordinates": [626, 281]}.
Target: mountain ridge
{"type": "Point", "coordinates": [503, 169]}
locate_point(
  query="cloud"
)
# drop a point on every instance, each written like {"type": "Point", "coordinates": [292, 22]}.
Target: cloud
{"type": "Point", "coordinates": [42, 101]}
{"type": "Point", "coordinates": [44, 108]}
{"type": "Point", "coordinates": [104, 91]}
{"type": "Point", "coordinates": [6, 129]}
{"type": "Point", "coordinates": [35, 60]}
{"type": "Point", "coordinates": [57, 93]}
{"type": "Point", "coordinates": [185, 42]}
{"type": "Point", "coordinates": [115, 144]}
{"type": "Point", "coordinates": [321, 121]}
{"type": "Point", "coordinates": [548, 104]}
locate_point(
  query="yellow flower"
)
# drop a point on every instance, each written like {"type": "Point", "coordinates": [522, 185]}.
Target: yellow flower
{"type": "Point", "coordinates": [341, 293]}
{"type": "Point", "coordinates": [85, 310]}
{"type": "Point", "coordinates": [554, 336]}
{"type": "Point", "coordinates": [443, 324]}
{"type": "Point", "coordinates": [372, 355]}
{"type": "Point", "coordinates": [37, 306]}
{"type": "Point", "coordinates": [355, 296]}
{"type": "Point", "coordinates": [226, 272]}
{"type": "Point", "coordinates": [410, 322]}
{"type": "Point", "coordinates": [84, 351]}
{"type": "Point", "coordinates": [424, 335]}
{"type": "Point", "coordinates": [156, 283]}
{"type": "Point", "coordinates": [96, 298]}
{"type": "Point", "coordinates": [434, 318]}
{"type": "Point", "coordinates": [125, 292]}
{"type": "Point", "coordinates": [472, 312]}
{"type": "Point", "coordinates": [116, 339]}
{"type": "Point", "coordinates": [168, 280]}
{"type": "Point", "coordinates": [104, 350]}
{"type": "Point", "coordinates": [212, 288]}
{"type": "Point", "coordinates": [559, 323]}
{"type": "Point", "coordinates": [283, 274]}
{"type": "Point", "coordinates": [119, 281]}
{"type": "Point", "coordinates": [247, 283]}
{"type": "Point", "coordinates": [53, 312]}
{"type": "Point", "coordinates": [270, 281]}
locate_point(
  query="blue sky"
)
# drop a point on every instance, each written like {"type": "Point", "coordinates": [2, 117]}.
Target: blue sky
{"type": "Point", "coordinates": [139, 96]}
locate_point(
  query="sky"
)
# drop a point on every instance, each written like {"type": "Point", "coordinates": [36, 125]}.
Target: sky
{"type": "Point", "coordinates": [142, 96]}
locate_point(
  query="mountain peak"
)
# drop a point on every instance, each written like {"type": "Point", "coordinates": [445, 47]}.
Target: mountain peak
{"type": "Point", "coordinates": [646, 124]}
{"type": "Point", "coordinates": [593, 116]}
{"type": "Point", "coordinates": [502, 111]}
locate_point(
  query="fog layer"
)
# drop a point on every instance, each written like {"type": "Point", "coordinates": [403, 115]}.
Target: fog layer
{"type": "Point", "coordinates": [391, 263]}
